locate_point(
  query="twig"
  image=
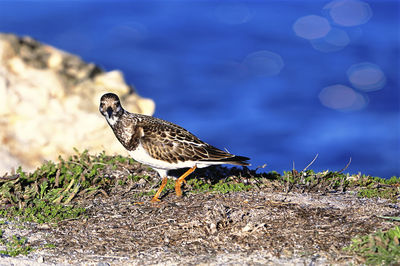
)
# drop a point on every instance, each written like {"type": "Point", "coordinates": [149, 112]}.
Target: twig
{"type": "Point", "coordinates": [76, 164]}
{"type": "Point", "coordinates": [57, 180]}
{"type": "Point", "coordinates": [315, 158]}
{"type": "Point", "coordinates": [99, 163]}
{"type": "Point", "coordinates": [260, 167]}
{"type": "Point", "coordinates": [347, 165]}
{"type": "Point", "coordinates": [10, 177]}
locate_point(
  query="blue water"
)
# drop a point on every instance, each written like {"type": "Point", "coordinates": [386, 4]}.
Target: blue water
{"type": "Point", "coordinates": [199, 61]}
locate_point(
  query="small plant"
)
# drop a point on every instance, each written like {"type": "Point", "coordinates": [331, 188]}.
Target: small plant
{"type": "Point", "coordinates": [391, 193]}
{"type": "Point", "coordinates": [226, 187]}
{"type": "Point", "coordinates": [198, 185]}
{"type": "Point", "coordinates": [375, 187]}
{"type": "Point", "coordinates": [42, 212]}
{"type": "Point", "coordinates": [309, 181]}
{"type": "Point", "coordinates": [14, 246]}
{"type": "Point", "coordinates": [378, 248]}
{"type": "Point", "coordinates": [222, 186]}
{"type": "Point", "coordinates": [45, 195]}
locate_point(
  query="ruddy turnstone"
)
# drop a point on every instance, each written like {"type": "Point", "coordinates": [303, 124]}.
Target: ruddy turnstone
{"type": "Point", "coordinates": [160, 144]}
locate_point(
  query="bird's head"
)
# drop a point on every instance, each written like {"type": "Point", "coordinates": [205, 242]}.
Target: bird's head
{"type": "Point", "coordinates": [110, 107]}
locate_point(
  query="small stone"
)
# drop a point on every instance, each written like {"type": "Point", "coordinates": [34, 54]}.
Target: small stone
{"type": "Point", "coordinates": [142, 181]}
{"type": "Point", "coordinates": [40, 259]}
{"type": "Point", "coordinates": [248, 227]}
{"type": "Point", "coordinates": [213, 228]}
{"type": "Point", "coordinates": [43, 226]}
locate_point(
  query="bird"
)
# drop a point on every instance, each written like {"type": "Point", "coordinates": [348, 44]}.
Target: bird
{"type": "Point", "coordinates": [162, 145]}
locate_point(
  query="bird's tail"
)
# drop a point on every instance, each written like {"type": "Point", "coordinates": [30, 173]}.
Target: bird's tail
{"type": "Point", "coordinates": [236, 160]}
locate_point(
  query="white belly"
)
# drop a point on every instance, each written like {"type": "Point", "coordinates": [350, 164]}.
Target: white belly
{"type": "Point", "coordinates": [142, 156]}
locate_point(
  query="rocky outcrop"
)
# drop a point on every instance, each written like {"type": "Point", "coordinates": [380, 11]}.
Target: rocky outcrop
{"type": "Point", "coordinates": [49, 103]}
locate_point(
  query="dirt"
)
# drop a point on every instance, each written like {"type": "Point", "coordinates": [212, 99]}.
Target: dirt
{"type": "Point", "coordinates": [256, 227]}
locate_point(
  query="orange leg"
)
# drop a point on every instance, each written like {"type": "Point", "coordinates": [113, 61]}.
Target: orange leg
{"type": "Point", "coordinates": [181, 179]}
{"type": "Point", "coordinates": [163, 183]}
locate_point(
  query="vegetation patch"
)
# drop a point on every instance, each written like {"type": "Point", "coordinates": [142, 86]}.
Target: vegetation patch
{"type": "Point", "coordinates": [332, 182]}
{"type": "Point", "coordinates": [309, 181]}
{"type": "Point", "coordinates": [375, 187]}
{"type": "Point", "coordinates": [52, 192]}
{"type": "Point", "coordinates": [222, 186]}
{"type": "Point", "coordinates": [14, 245]}
{"type": "Point", "coordinates": [57, 192]}
{"type": "Point", "coordinates": [377, 248]}
{"type": "Point", "coordinates": [42, 212]}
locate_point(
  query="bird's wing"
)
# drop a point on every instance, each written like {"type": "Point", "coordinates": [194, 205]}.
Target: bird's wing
{"type": "Point", "coordinates": [170, 142]}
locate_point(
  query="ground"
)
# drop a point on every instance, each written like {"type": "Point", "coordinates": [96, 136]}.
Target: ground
{"type": "Point", "coordinates": [258, 225]}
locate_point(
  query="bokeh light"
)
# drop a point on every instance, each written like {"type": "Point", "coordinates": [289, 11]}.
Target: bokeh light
{"type": "Point", "coordinates": [342, 98]}
{"type": "Point", "coordinates": [335, 40]}
{"type": "Point", "coordinates": [311, 27]}
{"type": "Point", "coordinates": [263, 63]}
{"type": "Point", "coordinates": [366, 77]}
{"type": "Point", "coordinates": [354, 33]}
{"type": "Point", "coordinates": [349, 12]}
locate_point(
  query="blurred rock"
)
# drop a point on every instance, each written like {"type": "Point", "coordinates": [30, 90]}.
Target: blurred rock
{"type": "Point", "coordinates": [49, 104]}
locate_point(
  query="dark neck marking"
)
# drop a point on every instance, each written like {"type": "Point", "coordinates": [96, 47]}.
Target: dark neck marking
{"type": "Point", "coordinates": [127, 131]}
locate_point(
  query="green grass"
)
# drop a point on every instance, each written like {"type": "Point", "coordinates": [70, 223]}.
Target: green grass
{"type": "Point", "coordinates": [377, 248]}
{"type": "Point", "coordinates": [48, 194]}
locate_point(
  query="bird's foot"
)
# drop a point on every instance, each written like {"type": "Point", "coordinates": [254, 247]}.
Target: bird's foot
{"type": "Point", "coordinates": [163, 183]}
{"type": "Point", "coordinates": [178, 189]}
{"type": "Point", "coordinates": [181, 180]}
{"type": "Point", "coordinates": [155, 200]}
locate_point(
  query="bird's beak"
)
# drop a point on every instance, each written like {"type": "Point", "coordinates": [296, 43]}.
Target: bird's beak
{"type": "Point", "coordinates": [109, 112]}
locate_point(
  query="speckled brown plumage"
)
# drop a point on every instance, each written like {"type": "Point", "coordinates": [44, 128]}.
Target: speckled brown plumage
{"type": "Point", "coordinates": [164, 140]}
{"type": "Point", "coordinates": [159, 143]}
